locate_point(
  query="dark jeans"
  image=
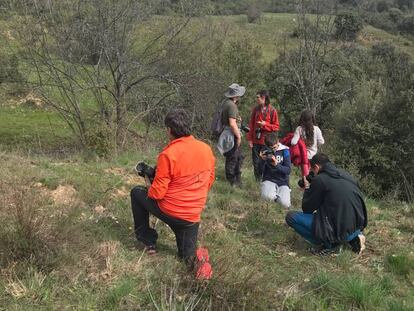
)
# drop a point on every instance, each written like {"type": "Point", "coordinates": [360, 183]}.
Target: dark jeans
{"type": "Point", "coordinates": [302, 224]}
{"type": "Point", "coordinates": [234, 161]}
{"type": "Point", "coordinates": [185, 232]}
{"type": "Point", "coordinates": [256, 159]}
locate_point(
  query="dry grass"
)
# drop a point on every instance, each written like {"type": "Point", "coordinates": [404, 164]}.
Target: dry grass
{"type": "Point", "coordinates": [79, 250]}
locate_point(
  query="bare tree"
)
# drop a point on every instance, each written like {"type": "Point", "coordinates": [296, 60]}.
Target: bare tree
{"type": "Point", "coordinates": [88, 60]}
{"type": "Point", "coordinates": [307, 76]}
{"type": "Point", "coordinates": [309, 59]}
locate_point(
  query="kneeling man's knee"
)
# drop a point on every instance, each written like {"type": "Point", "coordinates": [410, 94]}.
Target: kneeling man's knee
{"type": "Point", "coordinates": [136, 191]}
{"type": "Point", "coordinates": [290, 218]}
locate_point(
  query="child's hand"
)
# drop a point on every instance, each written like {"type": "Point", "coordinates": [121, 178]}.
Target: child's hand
{"type": "Point", "coordinates": [274, 161]}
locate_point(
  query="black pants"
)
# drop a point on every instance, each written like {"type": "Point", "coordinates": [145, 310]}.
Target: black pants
{"type": "Point", "coordinates": [256, 159]}
{"type": "Point", "coordinates": [185, 232]}
{"type": "Point", "coordinates": [234, 161]}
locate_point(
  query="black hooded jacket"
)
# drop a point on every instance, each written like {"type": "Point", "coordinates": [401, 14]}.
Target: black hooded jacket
{"type": "Point", "coordinates": [338, 204]}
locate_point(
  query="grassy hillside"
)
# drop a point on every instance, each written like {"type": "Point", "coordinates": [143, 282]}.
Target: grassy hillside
{"type": "Point", "coordinates": [67, 243]}
{"type": "Point", "coordinates": [272, 34]}
{"type": "Point", "coordinates": [66, 239]}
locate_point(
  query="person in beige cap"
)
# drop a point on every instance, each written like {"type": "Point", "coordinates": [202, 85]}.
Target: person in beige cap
{"type": "Point", "coordinates": [231, 121]}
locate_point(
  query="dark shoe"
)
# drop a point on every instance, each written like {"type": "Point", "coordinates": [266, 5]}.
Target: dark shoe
{"type": "Point", "coordinates": [358, 244]}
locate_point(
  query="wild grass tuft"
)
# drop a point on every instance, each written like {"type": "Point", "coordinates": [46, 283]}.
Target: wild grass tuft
{"type": "Point", "coordinates": [401, 264]}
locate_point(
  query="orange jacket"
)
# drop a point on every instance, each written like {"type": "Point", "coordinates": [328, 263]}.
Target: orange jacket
{"type": "Point", "coordinates": [185, 174]}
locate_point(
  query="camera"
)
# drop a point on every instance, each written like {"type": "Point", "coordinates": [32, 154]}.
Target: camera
{"type": "Point", "coordinates": [309, 178]}
{"type": "Point", "coordinates": [144, 169]}
{"type": "Point", "coordinates": [258, 133]}
{"type": "Point", "coordinates": [245, 128]}
{"type": "Point", "coordinates": [268, 153]}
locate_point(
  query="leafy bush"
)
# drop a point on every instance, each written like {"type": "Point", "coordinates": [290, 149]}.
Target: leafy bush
{"type": "Point", "coordinates": [382, 6]}
{"type": "Point", "coordinates": [254, 13]}
{"type": "Point", "coordinates": [395, 14]}
{"type": "Point", "coordinates": [382, 21]}
{"type": "Point", "coordinates": [377, 122]}
{"type": "Point", "coordinates": [9, 69]}
{"type": "Point", "coordinates": [347, 26]}
{"type": "Point", "coordinates": [242, 63]}
{"type": "Point", "coordinates": [407, 25]}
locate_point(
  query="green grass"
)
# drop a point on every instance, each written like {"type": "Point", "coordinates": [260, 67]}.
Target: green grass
{"type": "Point", "coordinates": [88, 260]}
{"type": "Point", "coordinates": [31, 128]}
{"type": "Point", "coordinates": [371, 35]}
{"type": "Point", "coordinates": [55, 255]}
{"type": "Point", "coordinates": [401, 264]}
{"type": "Point", "coordinates": [38, 129]}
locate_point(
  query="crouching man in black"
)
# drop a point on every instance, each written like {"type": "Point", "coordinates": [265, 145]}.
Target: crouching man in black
{"type": "Point", "coordinates": [334, 211]}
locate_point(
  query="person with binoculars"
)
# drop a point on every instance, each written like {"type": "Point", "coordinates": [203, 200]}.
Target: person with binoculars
{"type": "Point", "coordinates": [263, 120]}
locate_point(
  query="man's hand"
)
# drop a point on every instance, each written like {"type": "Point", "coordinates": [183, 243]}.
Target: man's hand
{"type": "Point", "coordinates": [147, 181]}
{"type": "Point", "coordinates": [261, 123]}
{"type": "Point", "coordinates": [250, 144]}
{"type": "Point", "coordinates": [262, 155]}
{"type": "Point", "coordinates": [238, 141]}
{"type": "Point", "coordinates": [306, 182]}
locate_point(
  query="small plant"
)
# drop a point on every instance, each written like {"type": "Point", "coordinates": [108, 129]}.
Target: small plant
{"type": "Point", "coordinates": [400, 264]}
{"type": "Point", "coordinates": [254, 13]}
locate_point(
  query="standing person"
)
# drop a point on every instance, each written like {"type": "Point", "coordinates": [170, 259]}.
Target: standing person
{"type": "Point", "coordinates": [232, 121]}
{"type": "Point", "coordinates": [333, 208]}
{"type": "Point", "coordinates": [274, 167]}
{"type": "Point", "coordinates": [178, 193]}
{"type": "Point", "coordinates": [311, 135]}
{"type": "Point", "coordinates": [263, 120]}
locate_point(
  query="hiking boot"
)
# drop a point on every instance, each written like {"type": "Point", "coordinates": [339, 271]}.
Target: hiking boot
{"type": "Point", "coordinates": [358, 244]}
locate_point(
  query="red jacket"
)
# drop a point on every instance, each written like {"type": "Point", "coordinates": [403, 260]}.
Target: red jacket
{"type": "Point", "coordinates": [267, 114]}
{"type": "Point", "coordinates": [298, 153]}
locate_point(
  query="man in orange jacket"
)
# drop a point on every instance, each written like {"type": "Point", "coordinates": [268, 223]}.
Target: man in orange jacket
{"type": "Point", "coordinates": [177, 196]}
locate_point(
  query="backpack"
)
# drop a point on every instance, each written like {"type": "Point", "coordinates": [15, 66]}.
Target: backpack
{"type": "Point", "coordinates": [217, 125]}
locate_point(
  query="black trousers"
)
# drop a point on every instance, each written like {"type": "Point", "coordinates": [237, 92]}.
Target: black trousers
{"type": "Point", "coordinates": [185, 232]}
{"type": "Point", "coordinates": [233, 164]}
{"type": "Point", "coordinates": [256, 159]}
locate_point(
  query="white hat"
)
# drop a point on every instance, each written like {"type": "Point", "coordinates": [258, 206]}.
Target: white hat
{"type": "Point", "coordinates": [235, 90]}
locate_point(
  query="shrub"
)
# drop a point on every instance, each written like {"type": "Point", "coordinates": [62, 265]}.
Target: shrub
{"type": "Point", "coordinates": [242, 62]}
{"type": "Point", "coordinates": [405, 4]}
{"type": "Point", "coordinates": [400, 264]}
{"type": "Point", "coordinates": [395, 14]}
{"type": "Point", "coordinates": [382, 6]}
{"type": "Point", "coordinates": [380, 111]}
{"type": "Point", "coordinates": [407, 25]}
{"type": "Point", "coordinates": [254, 13]}
{"type": "Point", "coordinates": [382, 21]}
{"type": "Point", "coordinates": [26, 235]}
{"type": "Point", "coordinates": [9, 71]}
{"type": "Point", "coordinates": [347, 26]}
